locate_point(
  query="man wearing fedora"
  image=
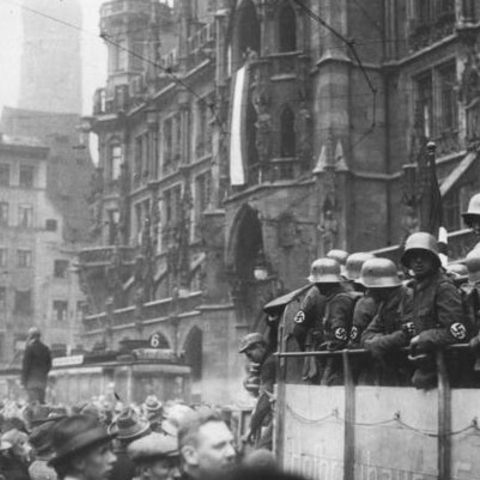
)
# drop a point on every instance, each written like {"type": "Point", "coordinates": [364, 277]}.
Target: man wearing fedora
{"type": "Point", "coordinates": [153, 411]}
{"type": "Point", "coordinates": [82, 449]}
{"type": "Point", "coordinates": [128, 426]}
{"type": "Point", "coordinates": [156, 457]}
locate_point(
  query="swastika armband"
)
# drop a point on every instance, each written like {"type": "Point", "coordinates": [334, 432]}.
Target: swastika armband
{"type": "Point", "coordinates": [458, 331]}
{"type": "Point", "coordinates": [354, 333]}
{"type": "Point", "coordinates": [299, 317]}
{"type": "Point", "coordinates": [341, 334]}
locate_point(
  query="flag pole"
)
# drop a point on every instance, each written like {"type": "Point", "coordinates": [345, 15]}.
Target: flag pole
{"type": "Point", "coordinates": [436, 215]}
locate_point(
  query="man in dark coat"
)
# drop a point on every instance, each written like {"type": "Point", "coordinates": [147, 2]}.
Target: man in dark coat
{"type": "Point", "coordinates": [255, 347]}
{"type": "Point", "coordinates": [37, 362]}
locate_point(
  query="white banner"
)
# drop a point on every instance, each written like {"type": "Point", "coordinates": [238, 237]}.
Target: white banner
{"type": "Point", "coordinates": [237, 172]}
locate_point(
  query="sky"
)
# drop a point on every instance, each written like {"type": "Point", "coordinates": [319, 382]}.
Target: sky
{"type": "Point", "coordinates": [93, 51]}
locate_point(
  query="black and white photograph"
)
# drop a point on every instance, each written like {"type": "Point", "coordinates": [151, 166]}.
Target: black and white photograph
{"type": "Point", "coordinates": [239, 239]}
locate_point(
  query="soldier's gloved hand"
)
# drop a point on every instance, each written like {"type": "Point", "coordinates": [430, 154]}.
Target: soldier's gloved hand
{"type": "Point", "coordinates": [475, 343]}
{"type": "Point", "coordinates": [409, 329]}
{"type": "Point", "coordinates": [331, 345]}
{"type": "Point", "coordinates": [374, 346]}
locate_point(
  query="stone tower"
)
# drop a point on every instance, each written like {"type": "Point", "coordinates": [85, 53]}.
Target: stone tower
{"type": "Point", "coordinates": [51, 60]}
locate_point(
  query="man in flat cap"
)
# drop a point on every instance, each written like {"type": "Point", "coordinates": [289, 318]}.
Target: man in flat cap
{"type": "Point", "coordinates": [156, 456]}
{"type": "Point", "coordinates": [255, 347]}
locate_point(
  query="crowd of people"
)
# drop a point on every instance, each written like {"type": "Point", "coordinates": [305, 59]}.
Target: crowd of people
{"type": "Point", "coordinates": [152, 441]}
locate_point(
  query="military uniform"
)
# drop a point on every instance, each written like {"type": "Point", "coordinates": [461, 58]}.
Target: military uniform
{"type": "Point", "coordinates": [364, 312]}
{"type": "Point", "coordinates": [387, 333]}
{"type": "Point", "coordinates": [336, 325]}
{"type": "Point", "coordinates": [308, 319]}
{"type": "Point", "coordinates": [437, 312]}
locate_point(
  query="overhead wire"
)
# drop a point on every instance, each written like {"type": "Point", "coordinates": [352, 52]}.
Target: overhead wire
{"type": "Point", "coordinates": [108, 39]}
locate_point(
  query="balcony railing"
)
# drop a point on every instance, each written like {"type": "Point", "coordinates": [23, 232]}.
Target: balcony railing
{"type": "Point", "coordinates": [117, 7]}
{"type": "Point", "coordinates": [101, 256]}
{"type": "Point", "coordinates": [158, 309]}
{"type": "Point", "coordinates": [276, 170]}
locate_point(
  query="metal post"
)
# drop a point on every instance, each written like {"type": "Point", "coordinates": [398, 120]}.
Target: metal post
{"type": "Point", "coordinates": [444, 418]}
{"type": "Point", "coordinates": [349, 434]}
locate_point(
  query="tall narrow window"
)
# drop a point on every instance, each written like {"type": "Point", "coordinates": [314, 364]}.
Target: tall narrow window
{"type": "Point", "coordinates": [60, 310]}
{"type": "Point", "coordinates": [3, 257]}
{"type": "Point", "coordinates": [27, 175]}
{"type": "Point", "coordinates": [115, 161]}
{"type": "Point", "coordinates": [23, 302]}
{"type": "Point", "coordinates": [425, 103]}
{"type": "Point", "coordinates": [4, 214]}
{"type": "Point", "coordinates": [287, 29]}
{"type": "Point", "coordinates": [3, 298]}
{"type": "Point", "coordinates": [4, 174]}
{"type": "Point", "coordinates": [287, 133]}
{"type": "Point", "coordinates": [25, 216]}
{"type": "Point", "coordinates": [60, 268]}
{"type": "Point", "coordinates": [424, 10]}
{"type": "Point", "coordinates": [167, 144]}
{"type": "Point", "coordinates": [24, 258]}
{"type": "Point", "coordinates": [138, 156]}
{"type": "Point", "coordinates": [448, 99]}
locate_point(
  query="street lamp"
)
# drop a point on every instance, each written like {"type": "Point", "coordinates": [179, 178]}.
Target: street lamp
{"type": "Point", "coordinates": [260, 270]}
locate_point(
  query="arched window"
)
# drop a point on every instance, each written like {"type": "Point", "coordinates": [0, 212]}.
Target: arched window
{"type": "Point", "coordinates": [287, 133]}
{"type": "Point", "coordinates": [287, 29]}
{"type": "Point", "coordinates": [247, 32]}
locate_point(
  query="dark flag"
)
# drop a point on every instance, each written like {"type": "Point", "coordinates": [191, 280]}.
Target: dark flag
{"type": "Point", "coordinates": [432, 207]}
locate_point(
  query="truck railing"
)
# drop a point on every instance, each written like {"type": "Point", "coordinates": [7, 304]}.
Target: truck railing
{"type": "Point", "coordinates": [289, 444]}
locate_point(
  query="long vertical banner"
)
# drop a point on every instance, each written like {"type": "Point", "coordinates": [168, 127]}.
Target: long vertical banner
{"type": "Point", "coordinates": [237, 172]}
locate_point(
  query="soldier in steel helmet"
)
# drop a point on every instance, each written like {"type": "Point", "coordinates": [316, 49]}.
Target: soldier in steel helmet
{"type": "Point", "coordinates": [472, 216]}
{"type": "Point", "coordinates": [336, 316]}
{"type": "Point", "coordinates": [365, 306]}
{"type": "Point", "coordinates": [437, 312]}
{"type": "Point", "coordinates": [256, 349]}
{"type": "Point", "coordinates": [387, 333]}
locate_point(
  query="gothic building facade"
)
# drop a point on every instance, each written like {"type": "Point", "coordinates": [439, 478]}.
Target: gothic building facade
{"type": "Point", "coordinates": [239, 140]}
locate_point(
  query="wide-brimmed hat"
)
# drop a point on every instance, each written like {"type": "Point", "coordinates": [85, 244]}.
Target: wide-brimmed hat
{"type": "Point", "coordinates": [129, 425]}
{"type": "Point", "coordinates": [75, 434]}
{"type": "Point", "coordinates": [152, 406]}
{"type": "Point", "coordinates": [40, 438]}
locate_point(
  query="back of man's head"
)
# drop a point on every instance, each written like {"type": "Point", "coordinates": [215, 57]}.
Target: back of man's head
{"type": "Point", "coordinates": [189, 430]}
{"type": "Point", "coordinates": [34, 333]}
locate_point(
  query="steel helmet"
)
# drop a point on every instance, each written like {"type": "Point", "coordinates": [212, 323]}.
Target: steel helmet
{"type": "Point", "coordinates": [354, 264]}
{"type": "Point", "coordinates": [473, 210]}
{"type": "Point", "coordinates": [379, 273]}
{"type": "Point", "coordinates": [339, 255]}
{"type": "Point", "coordinates": [457, 270]}
{"type": "Point", "coordinates": [420, 241]}
{"type": "Point", "coordinates": [325, 270]}
{"type": "Point", "coordinates": [473, 264]}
